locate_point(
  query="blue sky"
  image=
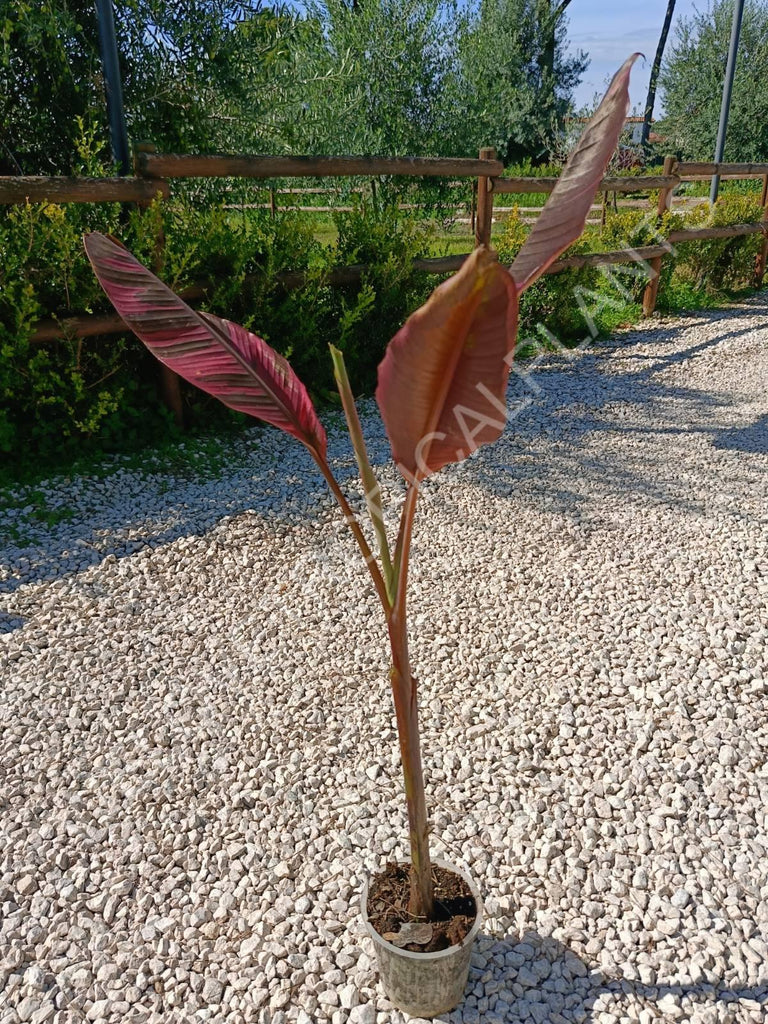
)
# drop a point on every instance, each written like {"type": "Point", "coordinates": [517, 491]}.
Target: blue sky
{"type": "Point", "coordinates": [609, 30]}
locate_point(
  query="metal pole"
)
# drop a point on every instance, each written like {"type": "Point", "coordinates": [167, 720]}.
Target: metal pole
{"type": "Point", "coordinates": [111, 65]}
{"type": "Point", "coordinates": [730, 68]}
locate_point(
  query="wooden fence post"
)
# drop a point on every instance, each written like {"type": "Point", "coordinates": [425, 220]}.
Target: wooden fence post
{"type": "Point", "coordinates": [763, 254]}
{"type": "Point", "coordinates": [664, 203]}
{"type": "Point", "coordinates": [170, 383]}
{"type": "Point", "coordinates": [484, 218]}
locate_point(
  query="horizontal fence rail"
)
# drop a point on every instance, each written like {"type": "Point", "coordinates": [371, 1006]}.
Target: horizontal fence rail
{"type": "Point", "coordinates": [612, 184]}
{"type": "Point", "coordinates": [91, 326]}
{"type": "Point", "coordinates": [80, 190]}
{"type": "Point", "coordinates": [77, 327]}
{"type": "Point", "coordinates": [152, 171]}
{"type": "Point", "coordinates": [186, 166]}
{"type": "Point", "coordinates": [722, 177]}
{"type": "Point", "coordinates": [727, 231]}
{"type": "Point", "coordinates": [687, 168]}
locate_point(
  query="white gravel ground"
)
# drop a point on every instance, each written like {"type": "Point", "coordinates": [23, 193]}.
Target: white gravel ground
{"type": "Point", "coordinates": [198, 758]}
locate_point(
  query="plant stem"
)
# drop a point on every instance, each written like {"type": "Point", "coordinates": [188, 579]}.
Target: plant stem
{"type": "Point", "coordinates": [367, 476]}
{"type": "Point", "coordinates": [406, 710]}
{"type": "Point", "coordinates": [421, 903]}
{"type": "Point", "coordinates": [403, 684]}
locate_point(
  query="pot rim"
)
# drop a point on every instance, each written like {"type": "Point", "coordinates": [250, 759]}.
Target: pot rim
{"type": "Point", "coordinates": [441, 954]}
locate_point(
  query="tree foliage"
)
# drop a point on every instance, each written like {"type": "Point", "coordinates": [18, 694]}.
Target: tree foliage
{"type": "Point", "coordinates": [378, 71]}
{"type": "Point", "coordinates": [692, 84]}
{"type": "Point", "coordinates": [513, 81]}
{"type": "Point", "coordinates": [376, 76]}
{"type": "Point", "coordinates": [48, 78]}
{"type": "Point", "coordinates": [188, 71]}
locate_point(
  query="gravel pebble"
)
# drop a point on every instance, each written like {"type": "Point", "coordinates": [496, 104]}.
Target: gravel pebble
{"type": "Point", "coordinates": [199, 755]}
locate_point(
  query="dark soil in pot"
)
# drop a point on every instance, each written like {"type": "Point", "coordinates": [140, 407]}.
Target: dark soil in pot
{"type": "Point", "coordinates": [455, 910]}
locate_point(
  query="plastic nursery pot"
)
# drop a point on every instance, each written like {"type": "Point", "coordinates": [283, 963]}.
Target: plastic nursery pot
{"type": "Point", "coordinates": [425, 984]}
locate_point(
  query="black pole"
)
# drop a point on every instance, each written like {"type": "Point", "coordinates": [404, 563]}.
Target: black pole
{"type": "Point", "coordinates": [725, 106]}
{"type": "Point", "coordinates": [111, 65]}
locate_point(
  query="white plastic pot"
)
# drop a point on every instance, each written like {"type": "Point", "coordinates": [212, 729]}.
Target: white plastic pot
{"type": "Point", "coordinates": [425, 984]}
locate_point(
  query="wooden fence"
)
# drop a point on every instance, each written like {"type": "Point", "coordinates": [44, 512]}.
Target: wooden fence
{"type": "Point", "coordinates": [458, 211]}
{"type": "Point", "coordinates": [152, 172]}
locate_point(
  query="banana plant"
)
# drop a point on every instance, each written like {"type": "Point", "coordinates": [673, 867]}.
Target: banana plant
{"type": "Point", "coordinates": [441, 391]}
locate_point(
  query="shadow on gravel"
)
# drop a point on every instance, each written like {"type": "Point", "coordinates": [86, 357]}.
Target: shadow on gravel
{"type": "Point", "coordinates": [753, 438]}
{"type": "Point", "coordinates": [124, 524]}
{"type": "Point", "coordinates": [542, 448]}
{"type": "Point", "coordinates": [561, 407]}
{"type": "Point", "coordinates": [531, 978]}
{"type": "Point", "coordinates": [9, 621]}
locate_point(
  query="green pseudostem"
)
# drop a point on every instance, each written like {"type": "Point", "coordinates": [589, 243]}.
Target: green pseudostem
{"type": "Point", "coordinates": [370, 483]}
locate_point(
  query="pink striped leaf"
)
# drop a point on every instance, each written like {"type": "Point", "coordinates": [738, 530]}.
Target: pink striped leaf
{"type": "Point", "coordinates": [216, 355]}
{"type": "Point", "coordinates": [565, 214]}
{"type": "Point", "coordinates": [442, 382]}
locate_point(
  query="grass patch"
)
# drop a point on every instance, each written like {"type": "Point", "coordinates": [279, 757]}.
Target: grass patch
{"type": "Point", "coordinates": [201, 456]}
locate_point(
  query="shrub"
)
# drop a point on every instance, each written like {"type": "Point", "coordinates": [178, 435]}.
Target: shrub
{"type": "Point", "coordinates": [721, 263]}
{"type": "Point", "coordinates": [561, 300]}
{"type": "Point", "coordinates": [100, 394]}
{"type": "Point", "coordinates": [75, 394]}
{"type": "Point", "coordinates": [636, 229]}
{"type": "Point", "coordinates": [54, 394]}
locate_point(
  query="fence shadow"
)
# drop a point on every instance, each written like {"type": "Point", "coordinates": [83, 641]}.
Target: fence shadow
{"type": "Point", "coordinates": [556, 412]}
{"type": "Point", "coordinates": [753, 438]}
{"type": "Point", "coordinates": [542, 450]}
{"type": "Point", "coordinates": [9, 621]}
{"type": "Point", "coordinates": [159, 512]}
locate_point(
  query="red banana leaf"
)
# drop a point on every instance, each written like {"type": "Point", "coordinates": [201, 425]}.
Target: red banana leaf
{"type": "Point", "coordinates": [442, 382]}
{"type": "Point", "coordinates": [566, 211]}
{"type": "Point", "coordinates": [216, 355]}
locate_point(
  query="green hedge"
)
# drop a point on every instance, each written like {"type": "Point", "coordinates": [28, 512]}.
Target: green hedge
{"type": "Point", "coordinates": [70, 396]}
{"type": "Point", "coordinates": [74, 396]}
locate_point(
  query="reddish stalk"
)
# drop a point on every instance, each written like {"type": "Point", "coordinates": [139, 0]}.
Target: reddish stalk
{"type": "Point", "coordinates": [421, 903]}
{"type": "Point", "coordinates": [406, 710]}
